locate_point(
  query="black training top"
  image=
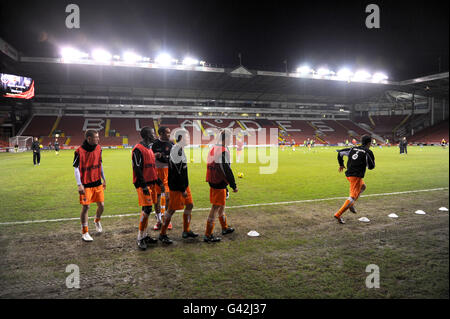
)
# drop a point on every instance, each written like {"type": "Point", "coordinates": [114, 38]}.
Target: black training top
{"type": "Point", "coordinates": [178, 172]}
{"type": "Point", "coordinates": [36, 147]}
{"type": "Point", "coordinates": [358, 159]}
{"type": "Point", "coordinates": [164, 148]}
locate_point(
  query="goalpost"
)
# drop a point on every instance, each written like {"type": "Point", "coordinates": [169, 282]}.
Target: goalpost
{"type": "Point", "coordinates": [22, 143]}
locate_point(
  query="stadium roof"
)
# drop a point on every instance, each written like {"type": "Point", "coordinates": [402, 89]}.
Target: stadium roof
{"type": "Point", "coordinates": [54, 76]}
{"type": "Point", "coordinates": [435, 85]}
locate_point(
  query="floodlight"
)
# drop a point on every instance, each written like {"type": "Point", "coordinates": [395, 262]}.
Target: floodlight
{"type": "Point", "coordinates": [378, 77]}
{"type": "Point", "coordinates": [189, 61]}
{"type": "Point", "coordinates": [72, 54]}
{"type": "Point", "coordinates": [304, 69]}
{"type": "Point", "coordinates": [163, 59]}
{"type": "Point", "coordinates": [344, 74]}
{"type": "Point", "coordinates": [324, 71]}
{"type": "Point", "coordinates": [131, 57]}
{"type": "Point", "coordinates": [361, 75]}
{"type": "Point", "coordinates": [101, 55]}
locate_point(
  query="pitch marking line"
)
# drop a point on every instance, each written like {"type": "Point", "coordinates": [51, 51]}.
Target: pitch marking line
{"type": "Point", "coordinates": [233, 207]}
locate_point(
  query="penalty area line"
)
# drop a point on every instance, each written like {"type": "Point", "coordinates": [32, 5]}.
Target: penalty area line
{"type": "Point", "coordinates": [232, 207]}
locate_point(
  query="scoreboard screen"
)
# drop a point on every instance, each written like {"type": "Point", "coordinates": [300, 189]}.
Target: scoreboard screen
{"type": "Point", "coordinates": [16, 86]}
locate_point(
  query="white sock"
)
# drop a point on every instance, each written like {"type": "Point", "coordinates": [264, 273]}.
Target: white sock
{"type": "Point", "coordinates": [158, 217]}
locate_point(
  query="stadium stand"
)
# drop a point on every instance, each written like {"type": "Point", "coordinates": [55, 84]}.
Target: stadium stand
{"type": "Point", "coordinates": [334, 132]}
{"type": "Point", "coordinates": [3, 143]}
{"type": "Point", "coordinates": [383, 124]}
{"type": "Point", "coordinates": [121, 131]}
{"type": "Point", "coordinates": [432, 135]}
{"type": "Point", "coordinates": [40, 126]}
{"type": "Point", "coordinates": [364, 120]}
{"type": "Point", "coordinates": [72, 127]}
{"type": "Point", "coordinates": [125, 131]}
{"type": "Point", "coordinates": [296, 130]}
{"type": "Point", "coordinates": [386, 125]}
{"type": "Point", "coordinates": [353, 128]}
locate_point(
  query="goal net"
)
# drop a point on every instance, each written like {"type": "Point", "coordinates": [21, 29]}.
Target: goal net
{"type": "Point", "coordinates": [22, 143]}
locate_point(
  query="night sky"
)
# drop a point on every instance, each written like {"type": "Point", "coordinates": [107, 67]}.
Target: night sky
{"type": "Point", "coordinates": [412, 39]}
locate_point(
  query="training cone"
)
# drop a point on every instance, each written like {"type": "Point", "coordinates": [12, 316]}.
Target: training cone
{"type": "Point", "coordinates": [420, 212]}
{"type": "Point", "coordinates": [443, 209]}
{"type": "Point", "coordinates": [393, 215]}
{"type": "Point", "coordinates": [364, 219]}
{"type": "Point", "coordinates": [253, 233]}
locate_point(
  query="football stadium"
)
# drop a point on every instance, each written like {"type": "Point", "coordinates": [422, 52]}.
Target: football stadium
{"type": "Point", "coordinates": [288, 228]}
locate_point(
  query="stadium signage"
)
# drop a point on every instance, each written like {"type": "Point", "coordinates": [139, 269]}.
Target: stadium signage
{"type": "Point", "coordinates": [286, 126]}
{"type": "Point", "coordinates": [93, 124]}
{"type": "Point", "coordinates": [321, 126]}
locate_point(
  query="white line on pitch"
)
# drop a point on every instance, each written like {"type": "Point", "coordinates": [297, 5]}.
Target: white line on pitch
{"type": "Point", "coordinates": [232, 207]}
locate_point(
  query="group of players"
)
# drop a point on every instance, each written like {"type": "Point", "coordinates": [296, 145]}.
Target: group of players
{"type": "Point", "coordinates": [159, 171]}
{"type": "Point", "coordinates": [160, 177]}
{"type": "Point", "coordinates": [160, 167]}
{"type": "Point", "coordinates": [309, 143]}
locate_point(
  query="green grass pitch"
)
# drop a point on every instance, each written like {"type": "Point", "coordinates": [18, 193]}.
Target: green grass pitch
{"type": "Point", "coordinates": [49, 190]}
{"type": "Point", "coordinates": [302, 252]}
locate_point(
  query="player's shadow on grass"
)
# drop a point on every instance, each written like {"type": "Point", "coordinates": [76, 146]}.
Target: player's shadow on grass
{"type": "Point", "coordinates": [190, 241]}
{"type": "Point", "coordinates": [127, 231]}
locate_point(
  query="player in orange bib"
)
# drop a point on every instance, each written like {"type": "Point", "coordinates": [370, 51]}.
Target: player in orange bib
{"type": "Point", "coordinates": [180, 193]}
{"type": "Point", "coordinates": [89, 174]}
{"type": "Point", "coordinates": [359, 157]}
{"type": "Point", "coordinates": [145, 179]}
{"type": "Point", "coordinates": [219, 175]}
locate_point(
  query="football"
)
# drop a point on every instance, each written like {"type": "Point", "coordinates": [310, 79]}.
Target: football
{"type": "Point", "coordinates": [240, 175]}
